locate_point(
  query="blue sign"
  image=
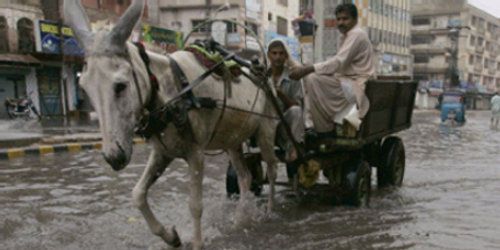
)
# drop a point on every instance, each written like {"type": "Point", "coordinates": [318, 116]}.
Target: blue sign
{"type": "Point", "coordinates": [48, 39]}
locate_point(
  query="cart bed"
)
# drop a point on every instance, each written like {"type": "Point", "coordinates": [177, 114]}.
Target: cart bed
{"type": "Point", "coordinates": [391, 109]}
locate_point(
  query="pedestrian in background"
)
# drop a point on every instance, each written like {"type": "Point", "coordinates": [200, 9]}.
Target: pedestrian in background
{"type": "Point", "coordinates": [495, 111]}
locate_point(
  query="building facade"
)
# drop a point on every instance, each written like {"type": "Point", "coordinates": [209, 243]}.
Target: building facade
{"type": "Point", "coordinates": [456, 35]}
{"type": "Point", "coordinates": [35, 63]}
{"type": "Point", "coordinates": [387, 24]}
{"type": "Point", "coordinates": [18, 67]}
{"type": "Point", "coordinates": [261, 17]}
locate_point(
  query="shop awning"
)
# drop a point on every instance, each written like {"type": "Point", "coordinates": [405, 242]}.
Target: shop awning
{"type": "Point", "coordinates": [18, 59]}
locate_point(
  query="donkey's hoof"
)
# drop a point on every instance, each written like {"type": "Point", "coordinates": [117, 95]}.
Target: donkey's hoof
{"type": "Point", "coordinates": [174, 239]}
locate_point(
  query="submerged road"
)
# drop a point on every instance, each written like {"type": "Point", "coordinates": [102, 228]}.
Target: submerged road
{"type": "Point", "coordinates": [449, 200]}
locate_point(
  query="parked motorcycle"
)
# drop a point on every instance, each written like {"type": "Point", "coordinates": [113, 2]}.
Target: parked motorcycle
{"type": "Point", "coordinates": [21, 108]}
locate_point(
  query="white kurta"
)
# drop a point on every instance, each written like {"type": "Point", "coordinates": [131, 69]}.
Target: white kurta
{"type": "Point", "coordinates": [495, 106]}
{"type": "Point", "coordinates": [328, 89]}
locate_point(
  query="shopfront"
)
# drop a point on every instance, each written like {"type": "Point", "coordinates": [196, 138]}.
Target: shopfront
{"type": "Point", "coordinates": [17, 78]}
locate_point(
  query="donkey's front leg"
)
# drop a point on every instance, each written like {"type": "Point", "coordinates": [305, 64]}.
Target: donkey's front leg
{"type": "Point", "coordinates": [157, 163]}
{"type": "Point", "coordinates": [195, 160]}
{"type": "Point", "coordinates": [265, 140]}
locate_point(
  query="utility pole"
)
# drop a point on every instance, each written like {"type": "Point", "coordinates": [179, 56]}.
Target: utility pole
{"type": "Point", "coordinates": [208, 8]}
{"type": "Point", "coordinates": [453, 72]}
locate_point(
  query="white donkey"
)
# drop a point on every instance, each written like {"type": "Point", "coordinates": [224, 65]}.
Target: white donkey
{"type": "Point", "coordinates": [116, 80]}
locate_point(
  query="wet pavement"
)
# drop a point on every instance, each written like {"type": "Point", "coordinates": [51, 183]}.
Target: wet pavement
{"type": "Point", "coordinates": [21, 132]}
{"type": "Point", "coordinates": [449, 200]}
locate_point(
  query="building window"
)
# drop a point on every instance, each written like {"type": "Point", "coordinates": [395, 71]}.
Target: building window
{"type": "Point", "coordinates": [421, 39]}
{"type": "Point", "coordinates": [269, 16]}
{"type": "Point", "coordinates": [479, 41]}
{"type": "Point", "coordinates": [498, 66]}
{"type": "Point", "coordinates": [26, 41]}
{"type": "Point", "coordinates": [282, 26]}
{"type": "Point", "coordinates": [231, 27]}
{"type": "Point", "coordinates": [283, 2]}
{"type": "Point", "coordinates": [472, 40]}
{"type": "Point", "coordinates": [471, 59]}
{"type": "Point", "coordinates": [4, 42]}
{"type": "Point", "coordinates": [473, 21]}
{"type": "Point", "coordinates": [421, 59]}
{"type": "Point", "coordinates": [420, 21]}
{"type": "Point", "coordinates": [479, 59]}
{"type": "Point", "coordinates": [253, 27]}
{"type": "Point", "coordinates": [203, 28]}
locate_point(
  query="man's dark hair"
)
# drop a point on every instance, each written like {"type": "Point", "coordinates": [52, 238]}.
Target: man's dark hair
{"type": "Point", "coordinates": [349, 8]}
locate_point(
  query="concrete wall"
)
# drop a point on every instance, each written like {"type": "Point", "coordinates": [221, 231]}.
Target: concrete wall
{"type": "Point", "coordinates": [289, 12]}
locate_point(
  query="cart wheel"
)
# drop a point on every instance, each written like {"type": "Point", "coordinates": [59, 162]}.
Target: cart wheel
{"type": "Point", "coordinates": [232, 187]}
{"type": "Point", "coordinates": [392, 168]}
{"type": "Point", "coordinates": [359, 185]}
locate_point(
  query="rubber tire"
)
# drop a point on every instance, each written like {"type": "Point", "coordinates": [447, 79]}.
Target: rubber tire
{"type": "Point", "coordinates": [391, 170]}
{"type": "Point", "coordinates": [359, 191]}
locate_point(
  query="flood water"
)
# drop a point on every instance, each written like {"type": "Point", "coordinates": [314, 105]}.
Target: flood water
{"type": "Point", "coordinates": [449, 200]}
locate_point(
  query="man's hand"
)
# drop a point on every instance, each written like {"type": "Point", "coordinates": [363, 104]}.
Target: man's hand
{"type": "Point", "coordinates": [297, 72]}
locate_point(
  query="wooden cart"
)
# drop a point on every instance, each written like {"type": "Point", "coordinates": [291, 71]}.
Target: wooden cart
{"type": "Point", "coordinates": [347, 158]}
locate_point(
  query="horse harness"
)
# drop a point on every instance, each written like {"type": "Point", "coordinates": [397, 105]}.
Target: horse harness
{"type": "Point", "coordinates": [154, 120]}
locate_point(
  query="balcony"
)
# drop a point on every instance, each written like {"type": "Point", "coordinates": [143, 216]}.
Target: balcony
{"type": "Point", "coordinates": [479, 49]}
{"type": "Point", "coordinates": [481, 30]}
{"type": "Point", "coordinates": [187, 4]}
{"type": "Point", "coordinates": [428, 68]}
{"type": "Point", "coordinates": [428, 49]}
{"type": "Point", "coordinates": [492, 71]}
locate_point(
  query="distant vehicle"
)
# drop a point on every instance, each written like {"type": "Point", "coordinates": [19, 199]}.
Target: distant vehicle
{"type": "Point", "coordinates": [452, 105]}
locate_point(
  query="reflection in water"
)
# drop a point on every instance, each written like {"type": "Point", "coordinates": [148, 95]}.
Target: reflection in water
{"type": "Point", "coordinates": [449, 200]}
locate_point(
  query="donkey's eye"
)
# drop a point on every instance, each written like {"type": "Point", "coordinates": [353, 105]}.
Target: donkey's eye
{"type": "Point", "coordinates": [119, 87]}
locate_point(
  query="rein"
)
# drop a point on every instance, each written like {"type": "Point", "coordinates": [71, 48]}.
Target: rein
{"type": "Point", "coordinates": [153, 120]}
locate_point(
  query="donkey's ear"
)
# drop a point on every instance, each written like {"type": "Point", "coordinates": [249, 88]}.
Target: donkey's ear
{"type": "Point", "coordinates": [76, 18]}
{"type": "Point", "coordinates": [123, 28]}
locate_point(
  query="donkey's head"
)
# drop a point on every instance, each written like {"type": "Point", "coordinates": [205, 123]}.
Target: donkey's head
{"type": "Point", "coordinates": [108, 79]}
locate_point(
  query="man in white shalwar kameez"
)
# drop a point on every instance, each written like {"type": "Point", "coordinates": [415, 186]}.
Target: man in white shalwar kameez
{"type": "Point", "coordinates": [495, 111]}
{"type": "Point", "coordinates": [335, 89]}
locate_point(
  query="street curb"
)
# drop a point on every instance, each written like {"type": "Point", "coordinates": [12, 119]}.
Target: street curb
{"type": "Point", "coordinates": [12, 153]}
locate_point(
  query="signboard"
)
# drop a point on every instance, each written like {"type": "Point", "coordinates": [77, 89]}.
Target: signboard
{"type": "Point", "coordinates": [161, 39]}
{"type": "Point", "coordinates": [219, 31]}
{"type": "Point", "coordinates": [252, 9]}
{"type": "Point", "coordinates": [251, 43]}
{"type": "Point", "coordinates": [233, 39]}
{"type": "Point", "coordinates": [48, 39]}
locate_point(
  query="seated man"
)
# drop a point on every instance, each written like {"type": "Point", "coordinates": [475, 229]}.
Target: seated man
{"type": "Point", "coordinates": [337, 86]}
{"type": "Point", "coordinates": [289, 94]}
